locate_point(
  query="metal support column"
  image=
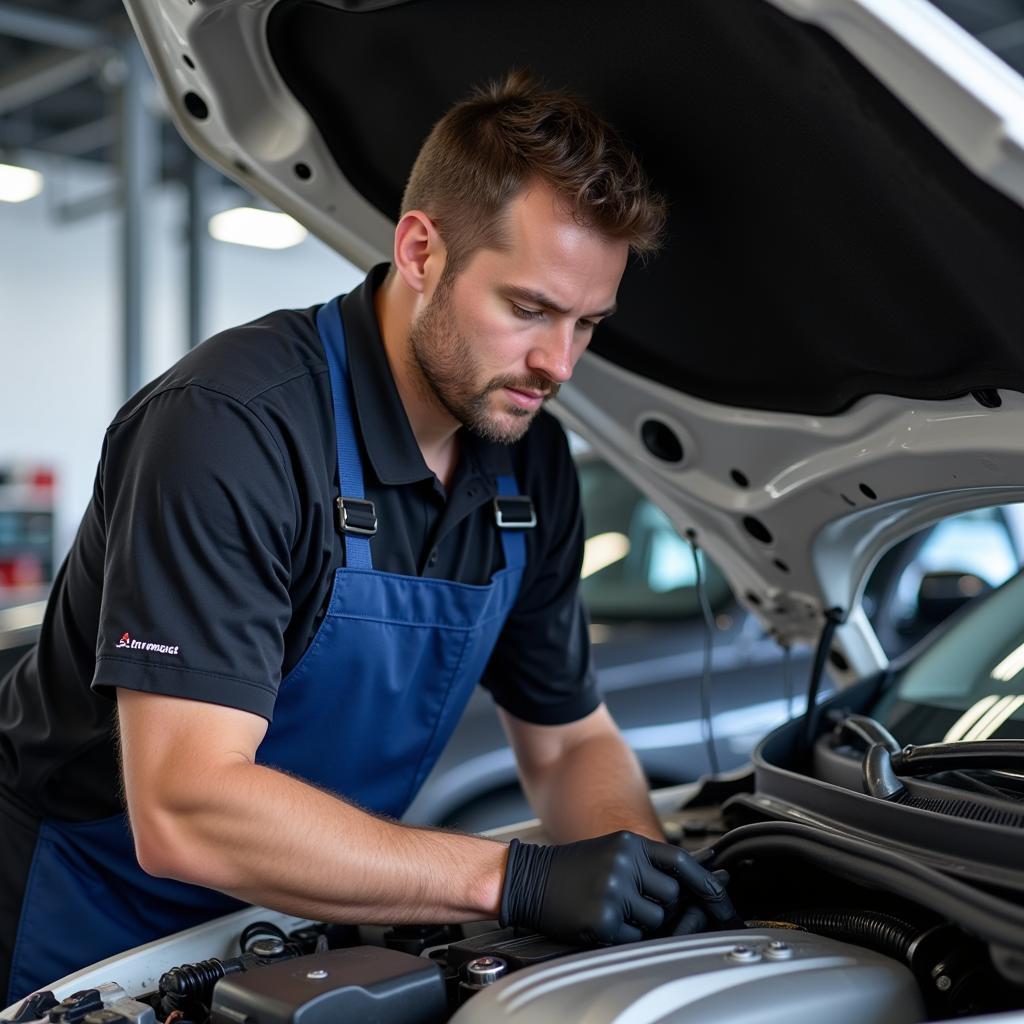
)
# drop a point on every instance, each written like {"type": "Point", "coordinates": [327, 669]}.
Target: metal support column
{"type": "Point", "coordinates": [140, 173]}
{"type": "Point", "coordinates": [200, 180]}
{"type": "Point", "coordinates": [51, 29]}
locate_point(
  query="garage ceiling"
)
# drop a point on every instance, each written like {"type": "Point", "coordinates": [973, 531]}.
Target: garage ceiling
{"type": "Point", "coordinates": [61, 74]}
{"type": "Point", "coordinates": [60, 81]}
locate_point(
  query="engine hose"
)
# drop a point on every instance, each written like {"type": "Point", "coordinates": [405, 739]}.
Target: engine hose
{"type": "Point", "coordinates": [882, 932]}
{"type": "Point", "coordinates": [988, 917]}
{"type": "Point", "coordinates": [867, 731]}
{"type": "Point", "coordinates": [833, 616]}
{"type": "Point", "coordinates": [195, 981]}
{"type": "Point", "coordinates": [260, 929]}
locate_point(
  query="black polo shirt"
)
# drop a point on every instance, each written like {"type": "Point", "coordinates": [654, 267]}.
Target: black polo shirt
{"type": "Point", "coordinates": [204, 562]}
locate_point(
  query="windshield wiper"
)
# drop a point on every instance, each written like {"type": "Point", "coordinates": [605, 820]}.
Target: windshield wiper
{"type": "Point", "coordinates": [969, 765]}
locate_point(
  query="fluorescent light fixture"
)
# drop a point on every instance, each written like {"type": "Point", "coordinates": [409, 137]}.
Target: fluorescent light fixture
{"type": "Point", "coordinates": [1012, 665]}
{"type": "Point", "coordinates": [970, 718]}
{"type": "Point", "coordinates": [245, 225]}
{"type": "Point", "coordinates": [19, 183]}
{"type": "Point", "coordinates": [602, 550]}
{"type": "Point", "coordinates": [983, 719]}
{"type": "Point", "coordinates": [22, 616]}
{"type": "Point", "coordinates": [992, 721]}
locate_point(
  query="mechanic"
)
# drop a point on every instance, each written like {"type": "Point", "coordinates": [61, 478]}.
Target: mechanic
{"type": "Point", "coordinates": [308, 541]}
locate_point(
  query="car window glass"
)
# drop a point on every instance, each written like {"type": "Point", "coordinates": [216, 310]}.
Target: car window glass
{"type": "Point", "coordinates": [635, 563]}
{"type": "Point", "coordinates": [969, 682]}
{"type": "Point", "coordinates": [975, 542]}
{"type": "Point", "coordinates": [996, 24]}
{"type": "Point", "coordinates": [668, 562]}
{"type": "Point", "coordinates": [924, 579]}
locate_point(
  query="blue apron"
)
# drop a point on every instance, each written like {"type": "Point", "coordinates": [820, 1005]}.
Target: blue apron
{"type": "Point", "coordinates": [366, 712]}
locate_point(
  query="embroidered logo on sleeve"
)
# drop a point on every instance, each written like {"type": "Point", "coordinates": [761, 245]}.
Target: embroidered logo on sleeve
{"type": "Point", "coordinates": [142, 645]}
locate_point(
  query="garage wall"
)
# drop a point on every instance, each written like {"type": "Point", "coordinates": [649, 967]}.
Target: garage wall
{"type": "Point", "coordinates": [60, 319]}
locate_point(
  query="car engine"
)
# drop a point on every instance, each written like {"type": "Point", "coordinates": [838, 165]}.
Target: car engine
{"type": "Point", "coordinates": [816, 945]}
{"type": "Point", "coordinates": [768, 975]}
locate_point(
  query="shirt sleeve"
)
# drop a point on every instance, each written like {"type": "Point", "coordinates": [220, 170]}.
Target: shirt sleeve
{"type": "Point", "coordinates": [541, 669]}
{"type": "Point", "coordinates": [199, 514]}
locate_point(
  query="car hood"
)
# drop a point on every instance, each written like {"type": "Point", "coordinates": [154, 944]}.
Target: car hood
{"type": "Point", "coordinates": [827, 355]}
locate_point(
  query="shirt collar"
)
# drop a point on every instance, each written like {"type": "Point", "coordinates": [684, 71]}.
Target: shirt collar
{"type": "Point", "coordinates": [387, 434]}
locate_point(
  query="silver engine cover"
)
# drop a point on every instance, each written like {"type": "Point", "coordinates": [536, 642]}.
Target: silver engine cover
{"type": "Point", "coordinates": [763, 976]}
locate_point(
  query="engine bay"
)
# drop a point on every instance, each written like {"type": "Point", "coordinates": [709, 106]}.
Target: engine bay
{"type": "Point", "coordinates": [840, 920]}
{"type": "Point", "coordinates": [818, 940]}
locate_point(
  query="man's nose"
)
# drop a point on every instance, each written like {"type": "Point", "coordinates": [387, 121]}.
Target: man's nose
{"type": "Point", "coordinates": [553, 355]}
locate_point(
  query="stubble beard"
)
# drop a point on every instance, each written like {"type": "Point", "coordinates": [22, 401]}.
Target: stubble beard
{"type": "Point", "coordinates": [446, 366]}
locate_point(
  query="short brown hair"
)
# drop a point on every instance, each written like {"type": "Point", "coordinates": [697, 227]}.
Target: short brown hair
{"type": "Point", "coordinates": [489, 146]}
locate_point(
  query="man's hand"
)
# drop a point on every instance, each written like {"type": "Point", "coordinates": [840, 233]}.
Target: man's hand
{"type": "Point", "coordinates": [615, 888]}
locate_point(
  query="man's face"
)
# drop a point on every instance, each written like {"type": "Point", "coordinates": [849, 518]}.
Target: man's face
{"type": "Point", "coordinates": [497, 341]}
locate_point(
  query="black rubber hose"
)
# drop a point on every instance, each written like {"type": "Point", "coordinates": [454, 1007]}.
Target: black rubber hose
{"type": "Point", "coordinates": [876, 930]}
{"type": "Point", "coordinates": [986, 916]}
{"type": "Point", "coordinates": [192, 981]}
{"type": "Point", "coordinates": [259, 930]}
{"type": "Point", "coordinates": [878, 777]}
{"type": "Point", "coordinates": [833, 617]}
{"type": "Point", "coordinates": [707, 719]}
{"type": "Point", "coordinates": [936, 757]}
{"type": "Point", "coordinates": [868, 732]}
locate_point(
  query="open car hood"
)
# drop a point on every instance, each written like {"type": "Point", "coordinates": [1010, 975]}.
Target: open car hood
{"type": "Point", "coordinates": [828, 354]}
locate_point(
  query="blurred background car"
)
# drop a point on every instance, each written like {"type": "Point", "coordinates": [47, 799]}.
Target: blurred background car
{"type": "Point", "coordinates": [650, 637]}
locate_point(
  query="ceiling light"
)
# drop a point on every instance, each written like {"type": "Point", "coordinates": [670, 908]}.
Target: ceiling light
{"type": "Point", "coordinates": [970, 718]}
{"type": "Point", "coordinates": [1012, 665]}
{"type": "Point", "coordinates": [993, 721]}
{"type": "Point", "coordinates": [246, 225]}
{"type": "Point", "coordinates": [19, 183]}
{"type": "Point", "coordinates": [603, 550]}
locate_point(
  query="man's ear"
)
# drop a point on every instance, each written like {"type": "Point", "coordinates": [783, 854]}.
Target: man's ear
{"type": "Point", "coordinates": [419, 254]}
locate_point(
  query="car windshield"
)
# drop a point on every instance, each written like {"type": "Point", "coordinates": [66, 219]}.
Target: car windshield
{"type": "Point", "coordinates": [636, 566]}
{"type": "Point", "coordinates": [998, 24]}
{"type": "Point", "coordinates": [968, 684]}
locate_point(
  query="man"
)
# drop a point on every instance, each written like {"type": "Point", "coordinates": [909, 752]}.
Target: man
{"type": "Point", "coordinates": [308, 541]}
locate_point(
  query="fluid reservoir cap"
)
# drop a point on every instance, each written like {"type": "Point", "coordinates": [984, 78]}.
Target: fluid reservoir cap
{"type": "Point", "coordinates": [778, 950]}
{"type": "Point", "coordinates": [484, 970]}
{"type": "Point", "coordinates": [272, 946]}
{"type": "Point", "coordinates": [743, 955]}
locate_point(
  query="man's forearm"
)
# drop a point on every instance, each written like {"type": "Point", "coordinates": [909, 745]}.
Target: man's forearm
{"type": "Point", "coordinates": [594, 788]}
{"type": "Point", "coordinates": [273, 840]}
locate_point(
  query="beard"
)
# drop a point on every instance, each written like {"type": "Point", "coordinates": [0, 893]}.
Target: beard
{"type": "Point", "coordinates": [448, 370]}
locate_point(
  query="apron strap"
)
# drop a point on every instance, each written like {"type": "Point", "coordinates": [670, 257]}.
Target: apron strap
{"type": "Point", "coordinates": [513, 542]}
{"type": "Point", "coordinates": [350, 468]}
{"type": "Point", "coordinates": [352, 505]}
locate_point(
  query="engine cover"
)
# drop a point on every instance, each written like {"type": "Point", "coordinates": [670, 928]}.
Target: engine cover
{"type": "Point", "coordinates": [763, 976]}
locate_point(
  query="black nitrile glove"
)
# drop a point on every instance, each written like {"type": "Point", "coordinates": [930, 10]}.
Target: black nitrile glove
{"type": "Point", "coordinates": [692, 918]}
{"type": "Point", "coordinates": [603, 891]}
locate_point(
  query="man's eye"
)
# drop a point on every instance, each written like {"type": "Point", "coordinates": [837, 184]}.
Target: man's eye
{"type": "Point", "coordinates": [586, 325]}
{"type": "Point", "coordinates": [526, 314]}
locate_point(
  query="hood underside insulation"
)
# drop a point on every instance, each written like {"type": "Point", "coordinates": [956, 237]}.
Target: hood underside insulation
{"type": "Point", "coordinates": [823, 244]}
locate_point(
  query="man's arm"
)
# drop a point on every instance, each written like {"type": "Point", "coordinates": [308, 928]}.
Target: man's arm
{"type": "Point", "coordinates": [581, 778]}
{"type": "Point", "coordinates": [203, 812]}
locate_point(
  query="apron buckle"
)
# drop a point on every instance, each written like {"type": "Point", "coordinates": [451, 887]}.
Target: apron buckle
{"type": "Point", "coordinates": [515, 512]}
{"type": "Point", "coordinates": [355, 515]}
